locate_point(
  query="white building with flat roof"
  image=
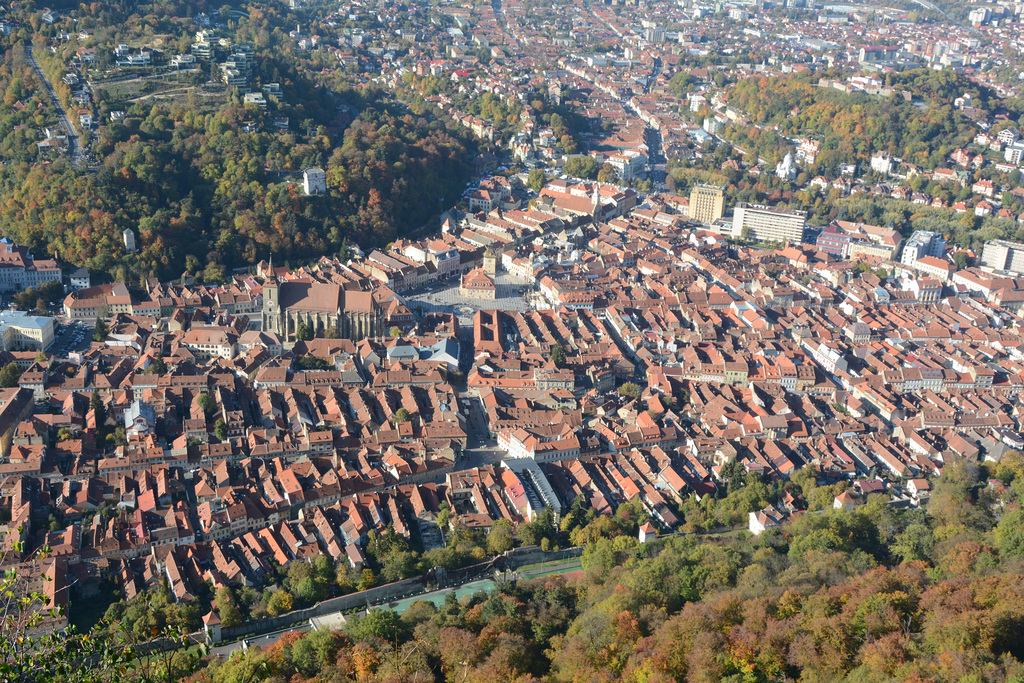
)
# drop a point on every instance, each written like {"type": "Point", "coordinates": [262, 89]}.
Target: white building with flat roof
{"type": "Point", "coordinates": [768, 223]}
{"type": "Point", "coordinates": [1003, 255]}
{"type": "Point", "coordinates": [922, 243]}
{"type": "Point", "coordinates": [628, 164]}
{"type": "Point", "coordinates": [314, 181]}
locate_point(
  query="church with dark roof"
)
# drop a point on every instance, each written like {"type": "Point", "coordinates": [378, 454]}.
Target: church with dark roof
{"type": "Point", "coordinates": [354, 314]}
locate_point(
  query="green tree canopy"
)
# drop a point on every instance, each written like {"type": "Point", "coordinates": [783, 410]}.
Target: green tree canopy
{"type": "Point", "coordinates": [558, 355]}
{"type": "Point", "coordinates": [9, 375]}
{"type": "Point", "coordinates": [206, 403]}
{"type": "Point", "coordinates": [100, 331]}
{"type": "Point", "coordinates": [581, 166]}
{"type": "Point", "coordinates": [220, 430]}
{"type": "Point", "coordinates": [630, 389]}
{"type": "Point", "coordinates": [535, 180]}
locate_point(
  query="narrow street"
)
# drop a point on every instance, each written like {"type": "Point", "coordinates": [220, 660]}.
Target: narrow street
{"type": "Point", "coordinates": [481, 450]}
{"type": "Point", "coordinates": [655, 160]}
{"type": "Point", "coordinates": [499, 17]}
{"type": "Point", "coordinates": [74, 146]}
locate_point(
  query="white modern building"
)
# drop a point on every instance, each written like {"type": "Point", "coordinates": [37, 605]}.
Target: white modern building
{"type": "Point", "coordinates": [978, 16]}
{"type": "Point", "coordinates": [768, 223]}
{"type": "Point", "coordinates": [1005, 256]}
{"type": "Point", "coordinates": [922, 243]}
{"type": "Point", "coordinates": [183, 61]}
{"type": "Point", "coordinates": [255, 98]}
{"type": "Point", "coordinates": [655, 34]}
{"type": "Point", "coordinates": [1014, 153]}
{"type": "Point", "coordinates": [628, 164]}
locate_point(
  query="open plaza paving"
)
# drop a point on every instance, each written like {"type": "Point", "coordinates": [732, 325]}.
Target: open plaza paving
{"type": "Point", "coordinates": [513, 294]}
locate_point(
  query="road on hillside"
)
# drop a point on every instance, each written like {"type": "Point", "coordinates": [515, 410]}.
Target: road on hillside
{"type": "Point", "coordinates": [74, 146]}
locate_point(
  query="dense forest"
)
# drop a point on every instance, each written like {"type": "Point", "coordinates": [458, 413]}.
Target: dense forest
{"type": "Point", "coordinates": [853, 126]}
{"type": "Point", "coordinates": [191, 184]}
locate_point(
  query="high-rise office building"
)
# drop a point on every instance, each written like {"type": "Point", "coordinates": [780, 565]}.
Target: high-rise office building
{"type": "Point", "coordinates": [707, 203]}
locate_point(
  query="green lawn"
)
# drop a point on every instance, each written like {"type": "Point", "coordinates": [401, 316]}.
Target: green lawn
{"type": "Point", "coordinates": [541, 565]}
{"type": "Point", "coordinates": [438, 597]}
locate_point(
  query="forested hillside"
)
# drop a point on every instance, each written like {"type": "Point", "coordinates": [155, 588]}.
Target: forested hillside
{"type": "Point", "coordinates": [207, 181]}
{"type": "Point", "coordinates": [194, 185]}
{"type": "Point", "coordinates": [852, 127]}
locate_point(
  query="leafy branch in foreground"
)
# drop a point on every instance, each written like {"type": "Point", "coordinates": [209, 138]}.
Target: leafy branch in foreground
{"type": "Point", "coordinates": [37, 644]}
